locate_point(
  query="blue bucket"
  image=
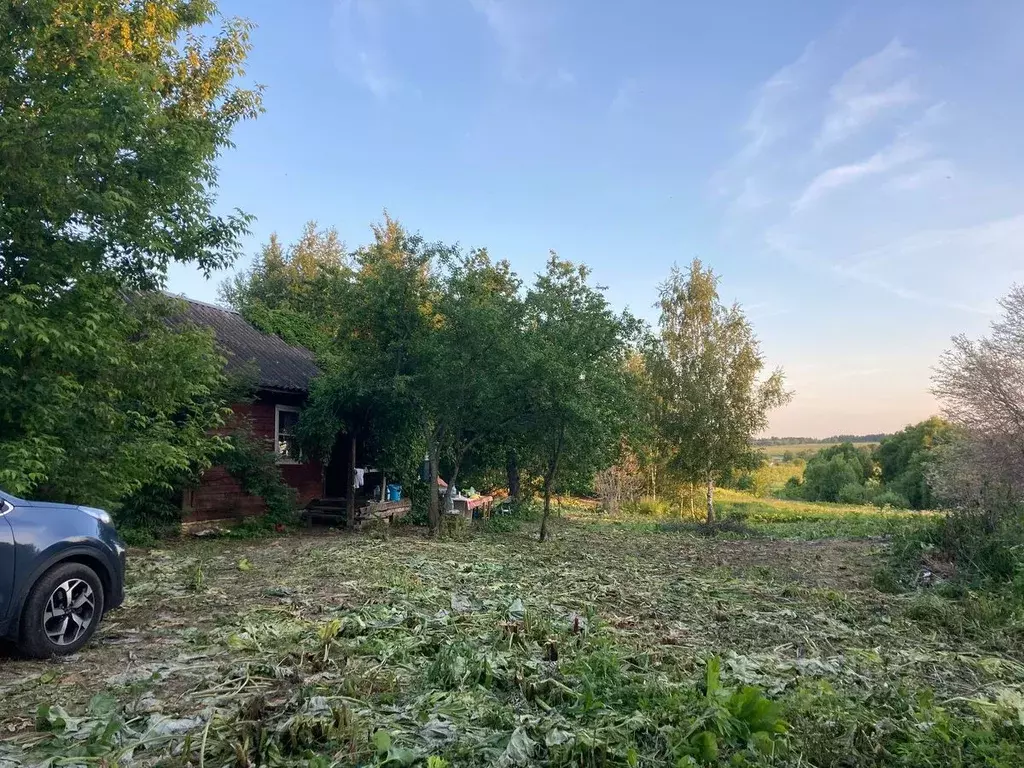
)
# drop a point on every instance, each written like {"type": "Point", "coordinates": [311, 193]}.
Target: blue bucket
{"type": "Point", "coordinates": [394, 493]}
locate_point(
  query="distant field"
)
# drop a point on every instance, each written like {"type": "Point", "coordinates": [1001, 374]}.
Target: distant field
{"type": "Point", "coordinates": [776, 451]}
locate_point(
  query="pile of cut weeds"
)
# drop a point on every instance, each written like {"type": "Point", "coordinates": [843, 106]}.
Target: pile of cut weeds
{"type": "Point", "coordinates": [603, 647]}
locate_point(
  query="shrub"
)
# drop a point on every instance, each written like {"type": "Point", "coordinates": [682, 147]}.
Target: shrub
{"type": "Point", "coordinates": [853, 493]}
{"type": "Point", "coordinates": [745, 482]}
{"type": "Point", "coordinates": [255, 467]}
{"type": "Point", "coordinates": [825, 476]}
{"type": "Point", "coordinates": [891, 499]}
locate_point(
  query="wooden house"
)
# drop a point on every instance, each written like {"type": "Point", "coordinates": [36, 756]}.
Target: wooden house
{"type": "Point", "coordinates": [281, 376]}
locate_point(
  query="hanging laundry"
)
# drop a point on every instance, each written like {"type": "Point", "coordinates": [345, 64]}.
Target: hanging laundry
{"type": "Point", "coordinates": [360, 472]}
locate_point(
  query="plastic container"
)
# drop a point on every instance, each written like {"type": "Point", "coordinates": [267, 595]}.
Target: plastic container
{"type": "Point", "coordinates": [394, 493]}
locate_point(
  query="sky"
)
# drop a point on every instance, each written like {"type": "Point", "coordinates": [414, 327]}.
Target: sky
{"type": "Point", "coordinates": [853, 172]}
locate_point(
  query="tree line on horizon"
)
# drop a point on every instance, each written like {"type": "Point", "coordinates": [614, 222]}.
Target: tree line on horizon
{"type": "Point", "coordinates": [869, 438]}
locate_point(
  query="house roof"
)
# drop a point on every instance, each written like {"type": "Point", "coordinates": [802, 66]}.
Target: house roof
{"type": "Point", "coordinates": [279, 365]}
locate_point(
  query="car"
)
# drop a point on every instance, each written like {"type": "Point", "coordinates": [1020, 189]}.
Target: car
{"type": "Point", "coordinates": [61, 569]}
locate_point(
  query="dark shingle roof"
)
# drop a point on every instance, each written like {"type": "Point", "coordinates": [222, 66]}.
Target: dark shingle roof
{"type": "Point", "coordinates": [279, 365]}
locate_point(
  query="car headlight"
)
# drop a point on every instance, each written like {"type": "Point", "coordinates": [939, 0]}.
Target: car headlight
{"type": "Point", "coordinates": [99, 514]}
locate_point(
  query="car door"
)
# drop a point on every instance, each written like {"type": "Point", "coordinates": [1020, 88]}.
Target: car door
{"type": "Point", "coordinates": [6, 558]}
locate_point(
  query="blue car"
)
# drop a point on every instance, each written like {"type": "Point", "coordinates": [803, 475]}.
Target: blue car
{"type": "Point", "coordinates": [61, 569]}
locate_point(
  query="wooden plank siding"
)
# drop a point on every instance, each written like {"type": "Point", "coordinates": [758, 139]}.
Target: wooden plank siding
{"type": "Point", "coordinates": [219, 496]}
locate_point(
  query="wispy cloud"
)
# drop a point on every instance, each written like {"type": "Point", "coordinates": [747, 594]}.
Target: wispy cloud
{"type": "Point", "coordinates": [866, 91]}
{"type": "Point", "coordinates": [768, 122]}
{"type": "Point", "coordinates": [898, 154]}
{"type": "Point", "coordinates": [520, 29]}
{"type": "Point", "coordinates": [358, 28]}
{"type": "Point", "coordinates": [924, 176]}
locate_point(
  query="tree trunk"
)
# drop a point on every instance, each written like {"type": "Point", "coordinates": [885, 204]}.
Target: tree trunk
{"type": "Point", "coordinates": [512, 467]}
{"type": "Point", "coordinates": [711, 500]}
{"type": "Point", "coordinates": [693, 492]}
{"type": "Point", "coordinates": [433, 504]}
{"type": "Point", "coordinates": [350, 496]}
{"type": "Point", "coordinates": [549, 480]}
{"type": "Point", "coordinates": [547, 508]}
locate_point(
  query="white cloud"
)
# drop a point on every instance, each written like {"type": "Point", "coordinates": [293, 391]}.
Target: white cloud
{"type": "Point", "coordinates": [358, 27]}
{"type": "Point", "coordinates": [899, 153]}
{"type": "Point", "coordinates": [519, 28]}
{"type": "Point", "coordinates": [866, 91]}
{"type": "Point", "coordinates": [563, 78]}
{"type": "Point", "coordinates": [767, 122]}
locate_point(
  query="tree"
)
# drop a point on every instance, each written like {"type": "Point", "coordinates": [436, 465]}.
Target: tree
{"type": "Point", "coordinates": [579, 387]}
{"type": "Point", "coordinates": [906, 457]}
{"type": "Point", "coordinates": [298, 292]}
{"type": "Point", "coordinates": [118, 400]}
{"type": "Point", "coordinates": [377, 350]}
{"type": "Point", "coordinates": [825, 477]}
{"type": "Point", "coordinates": [470, 384]}
{"type": "Point", "coordinates": [706, 367]}
{"type": "Point", "coordinates": [112, 115]}
{"type": "Point", "coordinates": [979, 473]}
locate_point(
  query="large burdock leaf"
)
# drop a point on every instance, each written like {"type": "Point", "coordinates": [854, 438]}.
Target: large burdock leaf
{"type": "Point", "coordinates": [520, 748]}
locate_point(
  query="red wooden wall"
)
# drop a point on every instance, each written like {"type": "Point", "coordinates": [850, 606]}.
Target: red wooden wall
{"type": "Point", "coordinates": [219, 495]}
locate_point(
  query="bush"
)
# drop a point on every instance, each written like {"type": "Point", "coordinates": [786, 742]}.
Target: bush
{"type": "Point", "coordinates": [853, 493]}
{"type": "Point", "coordinates": [891, 499]}
{"type": "Point", "coordinates": [255, 467]}
{"type": "Point", "coordinates": [745, 482]}
{"type": "Point", "coordinates": [825, 476]}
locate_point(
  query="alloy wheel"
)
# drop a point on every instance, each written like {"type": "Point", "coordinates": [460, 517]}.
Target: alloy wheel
{"type": "Point", "coordinates": [69, 612]}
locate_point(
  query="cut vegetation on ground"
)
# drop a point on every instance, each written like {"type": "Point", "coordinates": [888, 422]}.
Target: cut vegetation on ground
{"type": "Point", "coordinates": [617, 643]}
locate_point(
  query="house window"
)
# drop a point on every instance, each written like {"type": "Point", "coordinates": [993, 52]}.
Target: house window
{"type": "Point", "coordinates": [284, 434]}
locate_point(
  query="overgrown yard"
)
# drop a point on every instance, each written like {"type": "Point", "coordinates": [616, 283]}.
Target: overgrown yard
{"type": "Point", "coordinates": [610, 645]}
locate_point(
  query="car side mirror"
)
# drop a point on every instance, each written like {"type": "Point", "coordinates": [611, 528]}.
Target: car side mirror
{"type": "Point", "coordinates": [5, 507]}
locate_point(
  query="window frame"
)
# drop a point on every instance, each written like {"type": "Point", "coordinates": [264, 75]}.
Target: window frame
{"type": "Point", "coordinates": [282, 458]}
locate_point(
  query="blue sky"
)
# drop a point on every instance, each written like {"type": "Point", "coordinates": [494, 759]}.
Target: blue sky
{"type": "Point", "coordinates": [853, 171]}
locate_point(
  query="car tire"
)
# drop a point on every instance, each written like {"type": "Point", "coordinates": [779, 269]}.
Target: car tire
{"type": "Point", "coordinates": [62, 611]}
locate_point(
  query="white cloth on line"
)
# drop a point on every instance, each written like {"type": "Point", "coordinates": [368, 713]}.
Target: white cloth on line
{"type": "Point", "coordinates": [359, 477]}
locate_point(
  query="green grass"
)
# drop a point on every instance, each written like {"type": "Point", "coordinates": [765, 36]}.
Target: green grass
{"type": "Point", "coordinates": [778, 518]}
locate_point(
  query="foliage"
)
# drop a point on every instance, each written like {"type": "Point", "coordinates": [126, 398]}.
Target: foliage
{"type": "Point", "coordinates": [298, 292]}
{"type": "Point", "coordinates": [116, 401]}
{"type": "Point", "coordinates": [853, 493]}
{"type": "Point", "coordinates": [888, 498]}
{"type": "Point", "coordinates": [706, 369]}
{"type": "Point", "coordinates": [111, 120]}
{"type": "Point", "coordinates": [113, 115]}
{"type": "Point", "coordinates": [579, 391]}
{"type": "Point", "coordinates": [470, 381]}
{"type": "Point", "coordinates": [905, 459]}
{"type": "Point", "coordinates": [979, 473]}
{"type": "Point", "coordinates": [824, 477]}
{"type": "Point", "coordinates": [253, 463]}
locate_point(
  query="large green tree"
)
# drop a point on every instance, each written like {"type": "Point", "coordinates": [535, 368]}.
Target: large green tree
{"type": "Point", "coordinates": [580, 389]}
{"type": "Point", "coordinates": [707, 371]}
{"type": "Point", "coordinates": [375, 352]}
{"type": "Point", "coordinates": [906, 459]}
{"type": "Point", "coordinates": [112, 114]}
{"type": "Point", "coordinates": [297, 292]}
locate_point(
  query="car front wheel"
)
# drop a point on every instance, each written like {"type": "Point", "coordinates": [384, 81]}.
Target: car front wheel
{"type": "Point", "coordinates": [62, 611]}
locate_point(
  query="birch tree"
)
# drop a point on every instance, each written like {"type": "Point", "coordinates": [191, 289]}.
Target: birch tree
{"type": "Point", "coordinates": [707, 367]}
